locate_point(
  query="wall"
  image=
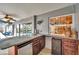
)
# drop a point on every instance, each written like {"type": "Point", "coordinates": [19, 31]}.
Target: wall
{"type": "Point", "coordinates": [43, 28]}
{"type": "Point", "coordinates": [77, 18]}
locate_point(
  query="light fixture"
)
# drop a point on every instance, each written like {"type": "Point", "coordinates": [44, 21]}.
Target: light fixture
{"type": "Point", "coordinates": [39, 22]}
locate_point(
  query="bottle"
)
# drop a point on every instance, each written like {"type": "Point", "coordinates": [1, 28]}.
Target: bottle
{"type": "Point", "coordinates": [74, 34]}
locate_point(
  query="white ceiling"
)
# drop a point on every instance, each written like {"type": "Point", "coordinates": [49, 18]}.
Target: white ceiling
{"type": "Point", "coordinates": [29, 9]}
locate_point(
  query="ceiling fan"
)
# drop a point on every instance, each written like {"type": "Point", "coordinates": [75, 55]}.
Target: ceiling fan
{"type": "Point", "coordinates": [9, 18]}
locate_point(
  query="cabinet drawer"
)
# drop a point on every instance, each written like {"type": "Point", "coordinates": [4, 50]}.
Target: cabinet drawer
{"type": "Point", "coordinates": [38, 44]}
{"type": "Point", "coordinates": [35, 41]}
{"type": "Point", "coordinates": [42, 43]}
{"type": "Point", "coordinates": [36, 49]}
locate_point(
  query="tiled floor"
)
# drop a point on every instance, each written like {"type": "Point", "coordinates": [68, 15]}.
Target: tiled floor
{"type": "Point", "coordinates": [4, 52]}
{"type": "Point", "coordinates": [45, 51]}
{"type": "Point", "coordinates": [25, 51]}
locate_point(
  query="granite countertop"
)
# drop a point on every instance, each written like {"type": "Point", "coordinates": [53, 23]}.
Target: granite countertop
{"type": "Point", "coordinates": [59, 36]}
{"type": "Point", "coordinates": [8, 42]}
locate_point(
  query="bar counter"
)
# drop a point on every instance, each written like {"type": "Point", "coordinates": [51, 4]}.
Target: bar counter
{"type": "Point", "coordinates": [12, 41]}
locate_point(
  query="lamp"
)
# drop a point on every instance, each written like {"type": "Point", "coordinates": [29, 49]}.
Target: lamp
{"type": "Point", "coordinates": [39, 22]}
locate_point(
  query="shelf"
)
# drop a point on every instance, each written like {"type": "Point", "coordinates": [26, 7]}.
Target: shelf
{"type": "Point", "coordinates": [61, 25]}
{"type": "Point", "coordinates": [61, 20]}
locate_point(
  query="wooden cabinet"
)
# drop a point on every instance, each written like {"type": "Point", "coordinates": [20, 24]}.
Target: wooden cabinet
{"type": "Point", "coordinates": [36, 49]}
{"type": "Point", "coordinates": [38, 44]}
{"type": "Point", "coordinates": [78, 47]}
{"type": "Point", "coordinates": [69, 47]}
{"type": "Point", "coordinates": [13, 50]}
{"type": "Point", "coordinates": [35, 46]}
{"type": "Point", "coordinates": [42, 42]}
{"type": "Point", "coordinates": [56, 46]}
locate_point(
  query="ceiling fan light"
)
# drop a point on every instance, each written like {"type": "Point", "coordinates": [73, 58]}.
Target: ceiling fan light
{"type": "Point", "coordinates": [12, 21]}
{"type": "Point", "coordinates": [8, 17]}
{"type": "Point", "coordinates": [5, 20]}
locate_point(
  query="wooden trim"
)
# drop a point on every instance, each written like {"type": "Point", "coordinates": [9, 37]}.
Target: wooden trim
{"type": "Point", "coordinates": [13, 50]}
{"type": "Point", "coordinates": [78, 47]}
{"type": "Point", "coordinates": [52, 45]}
{"type": "Point", "coordinates": [61, 48]}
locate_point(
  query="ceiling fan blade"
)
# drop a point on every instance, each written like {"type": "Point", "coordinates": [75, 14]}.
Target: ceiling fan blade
{"type": "Point", "coordinates": [3, 21]}
{"type": "Point", "coordinates": [12, 19]}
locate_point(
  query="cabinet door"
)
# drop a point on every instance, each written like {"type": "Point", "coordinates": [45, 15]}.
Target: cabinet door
{"type": "Point", "coordinates": [36, 49]}
{"type": "Point", "coordinates": [56, 47]}
{"type": "Point", "coordinates": [36, 46]}
{"type": "Point", "coordinates": [69, 47]}
{"type": "Point", "coordinates": [42, 42]}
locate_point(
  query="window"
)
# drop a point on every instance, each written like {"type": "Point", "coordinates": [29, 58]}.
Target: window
{"type": "Point", "coordinates": [27, 29]}
{"type": "Point", "coordinates": [24, 29]}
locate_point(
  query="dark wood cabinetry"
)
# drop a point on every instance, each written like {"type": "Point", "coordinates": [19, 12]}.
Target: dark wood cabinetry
{"type": "Point", "coordinates": [65, 46]}
{"type": "Point", "coordinates": [42, 42]}
{"type": "Point", "coordinates": [35, 46]}
{"type": "Point", "coordinates": [60, 46]}
{"type": "Point", "coordinates": [69, 47]}
{"type": "Point", "coordinates": [78, 47]}
{"type": "Point", "coordinates": [56, 46]}
{"type": "Point", "coordinates": [38, 44]}
{"type": "Point", "coordinates": [36, 49]}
